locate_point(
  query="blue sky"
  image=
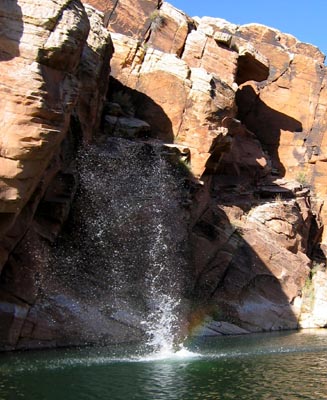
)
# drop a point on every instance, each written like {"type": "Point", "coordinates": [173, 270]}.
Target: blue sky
{"type": "Point", "coordinates": [305, 19]}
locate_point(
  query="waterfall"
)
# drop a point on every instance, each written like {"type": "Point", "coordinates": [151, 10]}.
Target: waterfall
{"type": "Point", "coordinates": [126, 248]}
{"type": "Point", "coordinates": [162, 275]}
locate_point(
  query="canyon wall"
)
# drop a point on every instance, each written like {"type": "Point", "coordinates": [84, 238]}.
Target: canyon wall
{"type": "Point", "coordinates": [54, 66]}
{"type": "Point", "coordinates": [246, 103]}
{"type": "Point", "coordinates": [243, 107]}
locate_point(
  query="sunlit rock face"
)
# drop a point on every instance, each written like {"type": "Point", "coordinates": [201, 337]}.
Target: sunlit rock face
{"type": "Point", "coordinates": [39, 62]}
{"type": "Point", "coordinates": [49, 56]}
{"type": "Point", "coordinates": [189, 72]}
{"type": "Point", "coordinates": [132, 18]}
{"type": "Point", "coordinates": [315, 300]}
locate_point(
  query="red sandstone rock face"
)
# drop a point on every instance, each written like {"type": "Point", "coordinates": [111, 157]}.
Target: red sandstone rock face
{"type": "Point", "coordinates": [202, 87]}
{"type": "Point", "coordinates": [287, 111]}
{"type": "Point", "coordinates": [54, 62]}
{"type": "Point", "coordinates": [38, 93]}
{"type": "Point", "coordinates": [290, 101]}
{"type": "Point", "coordinates": [37, 98]}
{"type": "Point", "coordinates": [44, 65]}
{"type": "Point", "coordinates": [197, 68]}
{"type": "Point", "coordinates": [169, 30]}
{"type": "Point", "coordinates": [127, 17]}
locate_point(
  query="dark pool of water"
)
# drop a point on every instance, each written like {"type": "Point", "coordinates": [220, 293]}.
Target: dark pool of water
{"type": "Point", "coordinates": [263, 366]}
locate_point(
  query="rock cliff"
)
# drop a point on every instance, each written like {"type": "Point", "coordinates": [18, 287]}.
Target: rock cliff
{"type": "Point", "coordinates": [244, 109]}
{"type": "Point", "coordinates": [247, 104]}
{"type": "Point", "coordinates": [54, 65]}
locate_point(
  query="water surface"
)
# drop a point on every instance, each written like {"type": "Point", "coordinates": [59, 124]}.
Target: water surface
{"type": "Point", "coordinates": [261, 366]}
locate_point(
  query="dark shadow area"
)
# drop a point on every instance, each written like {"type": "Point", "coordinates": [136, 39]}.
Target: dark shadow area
{"type": "Point", "coordinates": [139, 105]}
{"type": "Point", "coordinates": [250, 69]}
{"type": "Point", "coordinates": [11, 29]}
{"type": "Point", "coordinates": [266, 123]}
{"type": "Point", "coordinates": [233, 283]}
{"type": "Point", "coordinates": [108, 11]}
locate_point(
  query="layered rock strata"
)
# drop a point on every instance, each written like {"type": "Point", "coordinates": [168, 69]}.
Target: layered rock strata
{"type": "Point", "coordinates": [47, 61]}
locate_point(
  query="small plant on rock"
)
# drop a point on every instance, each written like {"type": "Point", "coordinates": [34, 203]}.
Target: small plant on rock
{"type": "Point", "coordinates": [157, 20]}
{"type": "Point", "coordinates": [309, 292]}
{"type": "Point", "coordinates": [185, 166]}
{"type": "Point", "coordinates": [145, 46]}
{"type": "Point", "coordinates": [302, 178]}
{"type": "Point", "coordinates": [278, 198]}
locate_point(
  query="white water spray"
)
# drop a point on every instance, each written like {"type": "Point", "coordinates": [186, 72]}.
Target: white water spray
{"type": "Point", "coordinates": [130, 231]}
{"type": "Point", "coordinates": [161, 324]}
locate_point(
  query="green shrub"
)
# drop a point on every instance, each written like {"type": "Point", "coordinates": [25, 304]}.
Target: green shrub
{"type": "Point", "coordinates": [185, 166]}
{"type": "Point", "coordinates": [302, 178]}
{"type": "Point", "coordinates": [278, 198]}
{"type": "Point", "coordinates": [157, 20]}
{"type": "Point", "coordinates": [309, 292]}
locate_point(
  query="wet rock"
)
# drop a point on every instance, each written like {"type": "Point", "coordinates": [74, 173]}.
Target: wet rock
{"type": "Point", "coordinates": [126, 127]}
{"type": "Point", "coordinates": [218, 328]}
{"type": "Point", "coordinates": [13, 314]}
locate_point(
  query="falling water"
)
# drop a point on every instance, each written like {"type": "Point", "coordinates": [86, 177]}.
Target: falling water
{"type": "Point", "coordinates": [163, 294]}
{"type": "Point", "coordinates": [130, 228]}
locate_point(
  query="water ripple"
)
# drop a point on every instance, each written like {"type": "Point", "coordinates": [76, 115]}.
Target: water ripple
{"type": "Point", "coordinates": [263, 367]}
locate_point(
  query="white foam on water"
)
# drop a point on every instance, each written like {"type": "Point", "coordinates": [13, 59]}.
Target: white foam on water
{"type": "Point", "coordinates": [165, 354]}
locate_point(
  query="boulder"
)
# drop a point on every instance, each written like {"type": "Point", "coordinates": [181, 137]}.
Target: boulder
{"type": "Point", "coordinates": [125, 127]}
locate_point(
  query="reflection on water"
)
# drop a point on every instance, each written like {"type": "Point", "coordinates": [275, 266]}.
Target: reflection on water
{"type": "Point", "coordinates": [266, 366]}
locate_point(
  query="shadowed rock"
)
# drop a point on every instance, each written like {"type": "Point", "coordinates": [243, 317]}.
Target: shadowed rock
{"type": "Point", "coordinates": [11, 29]}
{"type": "Point", "coordinates": [266, 123]}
